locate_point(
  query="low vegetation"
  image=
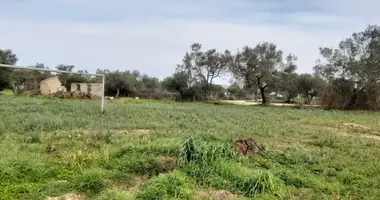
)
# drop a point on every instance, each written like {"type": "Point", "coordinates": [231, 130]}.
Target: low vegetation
{"type": "Point", "coordinates": [145, 149]}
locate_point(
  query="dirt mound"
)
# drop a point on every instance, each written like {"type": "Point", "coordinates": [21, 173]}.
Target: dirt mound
{"type": "Point", "coordinates": [248, 147]}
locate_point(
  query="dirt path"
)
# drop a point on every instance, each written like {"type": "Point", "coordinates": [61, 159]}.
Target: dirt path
{"type": "Point", "coordinates": [243, 102]}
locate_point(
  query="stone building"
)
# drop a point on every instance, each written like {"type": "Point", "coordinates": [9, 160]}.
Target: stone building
{"type": "Point", "coordinates": [51, 86]}
{"type": "Point", "coordinates": [94, 89]}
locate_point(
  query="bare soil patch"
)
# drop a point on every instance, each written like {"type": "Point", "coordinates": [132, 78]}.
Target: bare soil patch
{"type": "Point", "coordinates": [241, 102]}
{"type": "Point", "coordinates": [375, 137]}
{"type": "Point", "coordinates": [355, 130]}
{"type": "Point", "coordinates": [368, 136]}
{"type": "Point", "coordinates": [217, 194]}
{"type": "Point", "coordinates": [132, 131]}
{"type": "Point", "coordinates": [169, 163]}
{"type": "Point", "coordinates": [69, 196]}
{"type": "Point", "coordinates": [244, 102]}
{"type": "Point", "coordinates": [139, 180]}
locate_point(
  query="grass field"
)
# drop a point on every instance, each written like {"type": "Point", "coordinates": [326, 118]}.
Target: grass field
{"type": "Point", "coordinates": [54, 148]}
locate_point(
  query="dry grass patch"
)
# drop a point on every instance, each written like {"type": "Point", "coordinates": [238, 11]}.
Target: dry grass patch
{"type": "Point", "coordinates": [353, 130]}
{"type": "Point", "coordinates": [303, 193]}
{"type": "Point", "coordinates": [134, 187]}
{"type": "Point", "coordinates": [132, 131]}
{"type": "Point", "coordinates": [354, 126]}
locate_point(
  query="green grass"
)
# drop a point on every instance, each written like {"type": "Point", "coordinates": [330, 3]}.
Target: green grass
{"type": "Point", "coordinates": [165, 150]}
{"type": "Point", "coordinates": [7, 92]}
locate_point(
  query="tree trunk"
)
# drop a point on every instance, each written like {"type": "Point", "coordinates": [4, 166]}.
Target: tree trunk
{"type": "Point", "coordinates": [264, 99]}
{"type": "Point", "coordinates": [352, 102]}
{"type": "Point", "coordinates": [306, 98]}
{"type": "Point", "coordinates": [117, 93]}
{"type": "Point", "coordinates": [311, 99]}
{"type": "Point", "coordinates": [14, 89]}
{"type": "Point", "coordinates": [289, 99]}
{"type": "Point", "coordinates": [206, 92]}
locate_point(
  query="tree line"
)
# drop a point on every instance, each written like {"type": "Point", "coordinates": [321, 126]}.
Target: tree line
{"type": "Point", "coordinates": [346, 77]}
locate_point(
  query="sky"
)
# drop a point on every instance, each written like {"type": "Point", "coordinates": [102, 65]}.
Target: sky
{"type": "Point", "coordinates": [152, 36]}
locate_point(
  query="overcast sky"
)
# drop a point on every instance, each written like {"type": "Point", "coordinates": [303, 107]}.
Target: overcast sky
{"type": "Point", "coordinates": [153, 35]}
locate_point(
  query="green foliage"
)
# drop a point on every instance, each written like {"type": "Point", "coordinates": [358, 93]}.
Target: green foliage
{"type": "Point", "coordinates": [309, 86]}
{"type": "Point", "coordinates": [115, 195]}
{"type": "Point", "coordinates": [209, 164]}
{"type": "Point", "coordinates": [90, 182]}
{"type": "Point", "coordinates": [9, 58]}
{"type": "Point", "coordinates": [20, 191]}
{"type": "Point", "coordinates": [175, 185]}
{"type": "Point", "coordinates": [200, 68]}
{"type": "Point", "coordinates": [352, 71]}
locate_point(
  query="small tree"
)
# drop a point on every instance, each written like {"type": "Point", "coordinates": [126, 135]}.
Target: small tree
{"type": "Point", "coordinates": [258, 67]}
{"type": "Point", "coordinates": [178, 82]}
{"type": "Point", "coordinates": [236, 91]}
{"type": "Point", "coordinates": [204, 67]}
{"type": "Point", "coordinates": [309, 86]}
{"type": "Point", "coordinates": [28, 80]}
{"type": "Point", "coordinates": [9, 58]}
{"type": "Point", "coordinates": [287, 81]}
{"type": "Point", "coordinates": [116, 83]}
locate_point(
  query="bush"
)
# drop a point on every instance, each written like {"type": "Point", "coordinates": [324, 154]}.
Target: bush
{"type": "Point", "coordinates": [342, 94]}
{"type": "Point", "coordinates": [90, 182]}
{"type": "Point", "coordinates": [166, 186]}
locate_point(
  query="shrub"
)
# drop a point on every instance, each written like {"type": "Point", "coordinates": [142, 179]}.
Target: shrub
{"type": "Point", "coordinates": [166, 186]}
{"type": "Point", "coordinates": [90, 182]}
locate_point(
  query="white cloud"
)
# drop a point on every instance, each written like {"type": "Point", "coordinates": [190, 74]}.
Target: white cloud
{"type": "Point", "coordinates": [155, 45]}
